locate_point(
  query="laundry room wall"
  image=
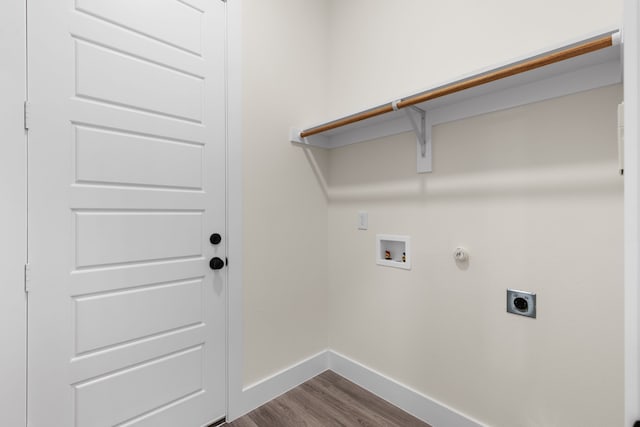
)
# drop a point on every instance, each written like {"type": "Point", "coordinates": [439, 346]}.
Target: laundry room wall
{"type": "Point", "coordinates": [532, 193]}
{"type": "Point", "coordinates": [285, 74]}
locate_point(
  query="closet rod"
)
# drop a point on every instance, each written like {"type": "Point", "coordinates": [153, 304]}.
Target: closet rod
{"type": "Point", "coordinates": [508, 71]}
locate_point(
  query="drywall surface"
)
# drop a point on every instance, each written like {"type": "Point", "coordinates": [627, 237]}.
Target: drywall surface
{"type": "Point", "coordinates": [13, 216]}
{"type": "Point", "coordinates": [285, 209]}
{"type": "Point", "coordinates": [531, 192]}
{"type": "Point", "coordinates": [382, 50]}
{"type": "Point", "coordinates": [534, 195]}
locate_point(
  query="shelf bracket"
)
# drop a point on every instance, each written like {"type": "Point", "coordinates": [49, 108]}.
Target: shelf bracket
{"type": "Point", "coordinates": [422, 129]}
{"type": "Point", "coordinates": [315, 140]}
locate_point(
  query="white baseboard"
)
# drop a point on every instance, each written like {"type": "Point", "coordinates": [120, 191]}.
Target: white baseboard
{"type": "Point", "coordinates": [417, 404]}
{"type": "Point", "coordinates": [259, 393]}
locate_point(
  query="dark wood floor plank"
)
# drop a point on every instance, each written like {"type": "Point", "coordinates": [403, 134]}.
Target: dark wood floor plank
{"type": "Point", "coordinates": [265, 416]}
{"type": "Point", "coordinates": [356, 397]}
{"type": "Point", "coordinates": [294, 414]}
{"type": "Point", "coordinates": [319, 409]}
{"type": "Point", "coordinates": [352, 413]}
{"type": "Point", "coordinates": [373, 409]}
{"type": "Point", "coordinates": [328, 400]}
{"type": "Point", "coordinates": [371, 401]}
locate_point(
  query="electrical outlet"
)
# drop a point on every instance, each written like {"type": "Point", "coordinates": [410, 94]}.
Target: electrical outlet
{"type": "Point", "coordinates": [521, 302]}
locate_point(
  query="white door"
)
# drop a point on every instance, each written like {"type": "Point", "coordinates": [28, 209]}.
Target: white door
{"type": "Point", "coordinates": [126, 185]}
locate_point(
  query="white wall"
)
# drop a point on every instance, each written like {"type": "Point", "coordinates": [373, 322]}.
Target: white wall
{"type": "Point", "coordinates": [632, 197]}
{"type": "Point", "coordinates": [381, 50]}
{"type": "Point", "coordinates": [531, 191]}
{"type": "Point", "coordinates": [13, 216]}
{"type": "Point", "coordinates": [285, 210]}
{"type": "Point", "coordinates": [534, 194]}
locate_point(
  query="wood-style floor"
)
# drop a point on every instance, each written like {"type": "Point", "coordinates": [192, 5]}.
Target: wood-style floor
{"type": "Point", "coordinates": [324, 401]}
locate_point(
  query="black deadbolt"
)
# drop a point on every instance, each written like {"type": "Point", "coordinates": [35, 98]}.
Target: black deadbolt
{"type": "Point", "coordinates": [215, 238]}
{"type": "Point", "coordinates": [521, 304]}
{"type": "Point", "coordinates": [216, 263]}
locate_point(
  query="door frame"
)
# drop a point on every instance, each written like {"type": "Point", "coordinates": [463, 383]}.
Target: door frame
{"type": "Point", "coordinates": [235, 318]}
{"type": "Point", "coordinates": [13, 228]}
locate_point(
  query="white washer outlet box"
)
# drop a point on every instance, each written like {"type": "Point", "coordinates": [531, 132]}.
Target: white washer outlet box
{"type": "Point", "coordinates": [393, 251]}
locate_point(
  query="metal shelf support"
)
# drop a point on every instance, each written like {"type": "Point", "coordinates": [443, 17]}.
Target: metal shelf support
{"type": "Point", "coordinates": [422, 128]}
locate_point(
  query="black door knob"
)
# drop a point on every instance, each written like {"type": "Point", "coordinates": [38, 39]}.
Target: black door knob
{"type": "Point", "coordinates": [216, 263]}
{"type": "Point", "coordinates": [215, 238]}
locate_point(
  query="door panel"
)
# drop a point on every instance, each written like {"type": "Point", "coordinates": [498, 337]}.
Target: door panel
{"type": "Point", "coordinates": [141, 236]}
{"type": "Point", "coordinates": [117, 317]}
{"type": "Point", "coordinates": [184, 32]}
{"type": "Point", "coordinates": [126, 183]}
{"type": "Point", "coordinates": [143, 85]}
{"type": "Point", "coordinates": [132, 392]}
{"type": "Point", "coordinates": [108, 157]}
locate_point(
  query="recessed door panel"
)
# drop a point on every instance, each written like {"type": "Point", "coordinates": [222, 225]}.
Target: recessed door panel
{"type": "Point", "coordinates": [129, 237]}
{"type": "Point", "coordinates": [113, 318]}
{"type": "Point", "coordinates": [170, 21]}
{"type": "Point", "coordinates": [136, 83]}
{"type": "Point", "coordinates": [124, 158]}
{"type": "Point", "coordinates": [135, 391]}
